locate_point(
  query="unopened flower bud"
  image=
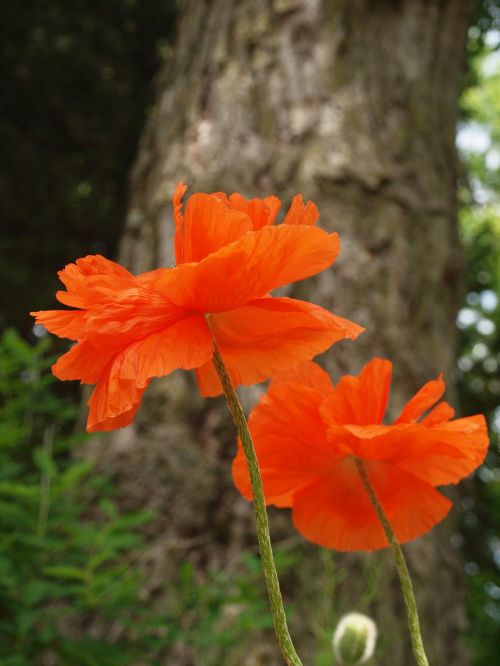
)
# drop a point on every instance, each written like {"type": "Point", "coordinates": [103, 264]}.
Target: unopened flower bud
{"type": "Point", "coordinates": [354, 639]}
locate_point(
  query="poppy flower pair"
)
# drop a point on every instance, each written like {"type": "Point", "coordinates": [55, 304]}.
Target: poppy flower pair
{"type": "Point", "coordinates": [230, 256]}
{"type": "Point", "coordinates": [308, 434]}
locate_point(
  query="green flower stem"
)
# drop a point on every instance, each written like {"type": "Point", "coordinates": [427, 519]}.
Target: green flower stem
{"type": "Point", "coordinates": [266, 552]}
{"type": "Point", "coordinates": [403, 573]}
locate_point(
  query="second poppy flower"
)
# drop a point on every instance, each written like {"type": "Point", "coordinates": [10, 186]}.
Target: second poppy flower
{"type": "Point", "coordinates": [310, 437]}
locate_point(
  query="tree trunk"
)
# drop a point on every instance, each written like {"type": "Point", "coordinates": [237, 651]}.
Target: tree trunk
{"type": "Point", "coordinates": [354, 104]}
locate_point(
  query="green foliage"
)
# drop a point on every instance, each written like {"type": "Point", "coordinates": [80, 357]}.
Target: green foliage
{"type": "Point", "coordinates": [214, 615]}
{"type": "Point", "coordinates": [480, 104]}
{"type": "Point", "coordinates": [57, 568]}
{"type": "Point", "coordinates": [479, 319]}
{"type": "Point", "coordinates": [479, 324]}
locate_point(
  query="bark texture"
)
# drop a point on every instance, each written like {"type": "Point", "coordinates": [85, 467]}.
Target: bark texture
{"type": "Point", "coordinates": [354, 104]}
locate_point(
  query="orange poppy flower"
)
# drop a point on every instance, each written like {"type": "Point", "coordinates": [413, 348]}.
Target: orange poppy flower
{"type": "Point", "coordinates": [308, 433]}
{"type": "Point", "coordinates": [230, 256]}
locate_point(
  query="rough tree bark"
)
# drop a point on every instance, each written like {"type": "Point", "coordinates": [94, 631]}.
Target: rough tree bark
{"type": "Point", "coordinates": [354, 104]}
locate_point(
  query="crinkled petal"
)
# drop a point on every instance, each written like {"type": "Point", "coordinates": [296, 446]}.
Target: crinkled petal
{"type": "Point", "coordinates": [440, 454]}
{"type": "Point", "coordinates": [308, 374]}
{"type": "Point", "coordinates": [115, 400]}
{"type": "Point", "coordinates": [423, 400]}
{"type": "Point", "coordinates": [92, 265]}
{"type": "Point", "coordinates": [250, 268]}
{"type": "Point", "coordinates": [185, 345]}
{"type": "Point", "coordinates": [336, 512]}
{"type": "Point", "coordinates": [83, 362]}
{"type": "Point", "coordinates": [63, 323]}
{"type": "Point", "coordinates": [300, 214]}
{"type": "Point", "coordinates": [88, 266]}
{"type": "Point", "coordinates": [208, 380]}
{"type": "Point", "coordinates": [271, 334]}
{"type": "Point", "coordinates": [116, 325]}
{"type": "Point", "coordinates": [354, 440]}
{"type": "Point", "coordinates": [208, 225]}
{"type": "Point", "coordinates": [364, 431]}
{"type": "Point", "coordinates": [262, 212]}
{"type": "Point", "coordinates": [98, 421]}
{"type": "Point", "coordinates": [290, 441]}
{"type": "Point", "coordinates": [148, 279]}
{"type": "Point", "coordinates": [360, 400]}
{"type": "Point", "coordinates": [93, 279]}
{"type": "Point", "coordinates": [439, 414]}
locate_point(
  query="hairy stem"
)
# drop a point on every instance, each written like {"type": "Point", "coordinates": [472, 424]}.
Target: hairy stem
{"type": "Point", "coordinates": [259, 504]}
{"type": "Point", "coordinates": [403, 573]}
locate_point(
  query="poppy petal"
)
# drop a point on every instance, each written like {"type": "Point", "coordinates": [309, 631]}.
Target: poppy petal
{"type": "Point", "coordinates": [441, 413]}
{"type": "Point", "coordinates": [306, 374]}
{"type": "Point", "coordinates": [91, 265]}
{"type": "Point", "coordinates": [111, 422]}
{"type": "Point", "coordinates": [83, 362]}
{"type": "Point", "coordinates": [93, 279]}
{"type": "Point", "coordinates": [446, 453]}
{"type": "Point", "coordinates": [185, 345]}
{"type": "Point", "coordinates": [423, 400]}
{"type": "Point", "coordinates": [250, 268]}
{"type": "Point", "coordinates": [336, 512]}
{"type": "Point", "coordinates": [439, 455]}
{"type": "Point", "coordinates": [360, 400]}
{"type": "Point", "coordinates": [119, 324]}
{"type": "Point", "coordinates": [290, 442]}
{"type": "Point", "coordinates": [300, 214]}
{"type": "Point", "coordinates": [208, 380]}
{"type": "Point", "coordinates": [63, 323]}
{"type": "Point", "coordinates": [149, 278]}
{"type": "Point", "coordinates": [115, 400]}
{"type": "Point", "coordinates": [209, 224]}
{"type": "Point", "coordinates": [270, 334]}
{"type": "Point", "coordinates": [262, 212]}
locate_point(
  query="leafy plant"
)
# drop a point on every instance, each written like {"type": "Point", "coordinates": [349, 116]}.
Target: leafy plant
{"type": "Point", "coordinates": [479, 323]}
{"type": "Point", "coordinates": [59, 568]}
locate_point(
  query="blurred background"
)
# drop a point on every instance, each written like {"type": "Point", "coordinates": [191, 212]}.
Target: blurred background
{"type": "Point", "coordinates": [134, 548]}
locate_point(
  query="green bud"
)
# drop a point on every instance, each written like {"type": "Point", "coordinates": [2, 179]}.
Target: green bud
{"type": "Point", "coordinates": [354, 639]}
